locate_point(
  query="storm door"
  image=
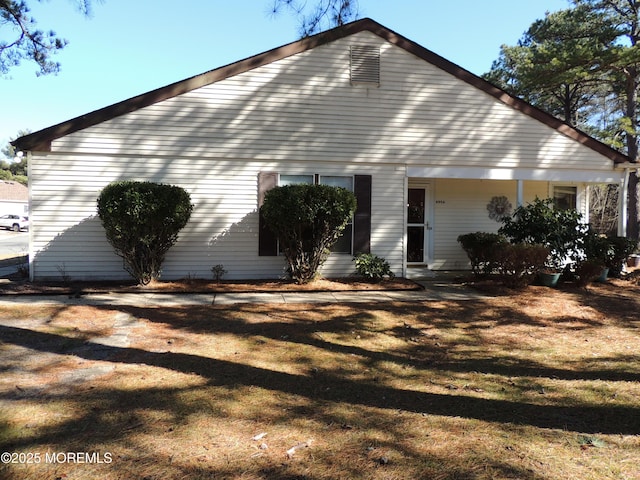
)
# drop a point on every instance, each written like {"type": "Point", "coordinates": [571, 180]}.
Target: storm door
{"type": "Point", "coordinates": [417, 226]}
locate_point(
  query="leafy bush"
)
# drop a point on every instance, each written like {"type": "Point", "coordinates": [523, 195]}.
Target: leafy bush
{"type": "Point", "coordinates": [482, 249]}
{"type": "Point", "coordinates": [597, 247]}
{"type": "Point", "coordinates": [308, 220]}
{"type": "Point", "coordinates": [518, 263]}
{"type": "Point", "coordinates": [372, 266]}
{"type": "Point", "coordinates": [142, 221]}
{"type": "Point", "coordinates": [621, 248]}
{"type": "Point", "coordinates": [540, 223]}
{"type": "Point", "coordinates": [610, 252]}
{"type": "Point", "coordinates": [218, 272]}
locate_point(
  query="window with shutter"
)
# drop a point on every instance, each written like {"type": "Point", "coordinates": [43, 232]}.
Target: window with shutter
{"type": "Point", "coordinates": [356, 238]}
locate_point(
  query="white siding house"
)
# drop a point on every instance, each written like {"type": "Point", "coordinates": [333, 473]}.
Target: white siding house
{"type": "Point", "coordinates": [426, 144]}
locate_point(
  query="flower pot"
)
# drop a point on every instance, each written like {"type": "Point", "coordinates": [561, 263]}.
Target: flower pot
{"type": "Point", "coordinates": [603, 275]}
{"type": "Point", "coordinates": [549, 279]}
{"type": "Point", "coordinates": [633, 261]}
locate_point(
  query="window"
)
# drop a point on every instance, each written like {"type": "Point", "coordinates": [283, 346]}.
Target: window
{"type": "Point", "coordinates": [564, 197]}
{"type": "Point", "coordinates": [345, 242]}
{"type": "Point", "coordinates": [361, 228]}
{"type": "Point", "coordinates": [295, 179]}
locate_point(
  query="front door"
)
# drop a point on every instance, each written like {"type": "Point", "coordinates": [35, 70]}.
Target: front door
{"type": "Point", "coordinates": [417, 226]}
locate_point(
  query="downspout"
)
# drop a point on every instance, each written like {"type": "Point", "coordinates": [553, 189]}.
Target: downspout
{"type": "Point", "coordinates": [30, 200]}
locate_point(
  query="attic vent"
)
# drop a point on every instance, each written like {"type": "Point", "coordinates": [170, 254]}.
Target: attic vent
{"type": "Point", "coordinates": [365, 65]}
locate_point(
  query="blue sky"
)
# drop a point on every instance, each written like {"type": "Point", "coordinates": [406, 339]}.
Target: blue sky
{"type": "Point", "coordinates": [128, 47]}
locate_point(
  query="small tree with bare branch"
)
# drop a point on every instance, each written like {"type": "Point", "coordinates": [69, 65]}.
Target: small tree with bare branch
{"type": "Point", "coordinates": [319, 16]}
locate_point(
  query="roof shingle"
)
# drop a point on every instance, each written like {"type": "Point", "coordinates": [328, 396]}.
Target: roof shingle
{"type": "Point", "coordinates": [13, 191]}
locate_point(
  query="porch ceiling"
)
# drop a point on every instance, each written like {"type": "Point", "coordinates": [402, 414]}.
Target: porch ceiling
{"type": "Point", "coordinates": [537, 174]}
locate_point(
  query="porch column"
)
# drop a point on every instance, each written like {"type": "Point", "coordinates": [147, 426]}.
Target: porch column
{"type": "Point", "coordinates": [519, 193]}
{"type": "Point", "coordinates": [623, 205]}
{"type": "Point", "coordinates": [405, 203]}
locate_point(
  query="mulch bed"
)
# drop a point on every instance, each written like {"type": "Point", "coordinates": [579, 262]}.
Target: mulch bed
{"type": "Point", "coordinates": [18, 287]}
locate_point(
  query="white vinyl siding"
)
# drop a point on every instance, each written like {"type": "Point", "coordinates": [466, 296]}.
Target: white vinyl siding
{"type": "Point", "coordinates": [305, 107]}
{"type": "Point", "coordinates": [461, 207]}
{"type": "Point", "coordinates": [68, 236]}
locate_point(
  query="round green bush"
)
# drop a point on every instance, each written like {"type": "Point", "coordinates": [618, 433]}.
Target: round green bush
{"type": "Point", "coordinates": [142, 221]}
{"type": "Point", "coordinates": [482, 249]}
{"type": "Point", "coordinates": [308, 220]}
{"type": "Point", "coordinates": [540, 223]}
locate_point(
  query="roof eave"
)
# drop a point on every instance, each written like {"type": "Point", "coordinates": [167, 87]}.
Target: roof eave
{"type": "Point", "coordinates": [501, 95]}
{"type": "Point", "coordinates": [42, 139]}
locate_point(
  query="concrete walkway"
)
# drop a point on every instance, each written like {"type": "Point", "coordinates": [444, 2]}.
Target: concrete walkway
{"type": "Point", "coordinates": [433, 290]}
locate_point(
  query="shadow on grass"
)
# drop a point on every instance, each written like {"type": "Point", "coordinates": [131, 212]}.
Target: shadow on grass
{"type": "Point", "coordinates": [605, 419]}
{"type": "Point", "coordinates": [421, 350]}
{"type": "Point", "coordinates": [114, 421]}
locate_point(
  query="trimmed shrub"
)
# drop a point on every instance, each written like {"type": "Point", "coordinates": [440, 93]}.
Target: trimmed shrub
{"type": "Point", "coordinates": [518, 263]}
{"type": "Point", "coordinates": [372, 266]}
{"type": "Point", "coordinates": [142, 221]}
{"type": "Point", "coordinates": [610, 252]}
{"type": "Point", "coordinates": [308, 220]}
{"type": "Point", "coordinates": [597, 247]}
{"type": "Point", "coordinates": [482, 249]}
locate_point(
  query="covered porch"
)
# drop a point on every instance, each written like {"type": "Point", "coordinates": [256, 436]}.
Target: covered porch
{"type": "Point", "coordinates": [445, 202]}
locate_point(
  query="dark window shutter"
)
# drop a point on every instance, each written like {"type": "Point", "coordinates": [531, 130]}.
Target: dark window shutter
{"type": "Point", "coordinates": [362, 217]}
{"type": "Point", "coordinates": [267, 240]}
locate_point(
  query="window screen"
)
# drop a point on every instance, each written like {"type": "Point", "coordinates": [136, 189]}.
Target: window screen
{"type": "Point", "coordinates": [565, 198]}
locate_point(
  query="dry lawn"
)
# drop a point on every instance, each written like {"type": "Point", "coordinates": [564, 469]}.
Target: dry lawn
{"type": "Point", "coordinates": [539, 384]}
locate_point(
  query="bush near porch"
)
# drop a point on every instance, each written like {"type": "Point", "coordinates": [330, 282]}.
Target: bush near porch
{"type": "Point", "coordinates": [571, 246]}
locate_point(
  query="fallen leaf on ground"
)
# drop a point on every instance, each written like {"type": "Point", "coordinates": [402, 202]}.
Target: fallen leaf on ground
{"type": "Point", "coordinates": [298, 446]}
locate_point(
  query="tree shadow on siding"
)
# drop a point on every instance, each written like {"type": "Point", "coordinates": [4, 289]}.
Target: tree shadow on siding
{"type": "Point", "coordinates": [80, 248]}
{"type": "Point", "coordinates": [300, 109]}
{"type": "Point", "coordinates": [82, 252]}
{"type": "Point", "coordinates": [236, 249]}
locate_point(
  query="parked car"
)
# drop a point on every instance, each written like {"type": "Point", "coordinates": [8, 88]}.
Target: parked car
{"type": "Point", "coordinates": [14, 222]}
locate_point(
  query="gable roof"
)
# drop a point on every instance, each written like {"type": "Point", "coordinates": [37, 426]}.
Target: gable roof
{"type": "Point", "coordinates": [41, 140]}
{"type": "Point", "coordinates": [13, 191]}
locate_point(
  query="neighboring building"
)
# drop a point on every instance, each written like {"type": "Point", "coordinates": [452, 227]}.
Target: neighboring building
{"type": "Point", "coordinates": [426, 145]}
{"type": "Point", "coordinates": [14, 198]}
